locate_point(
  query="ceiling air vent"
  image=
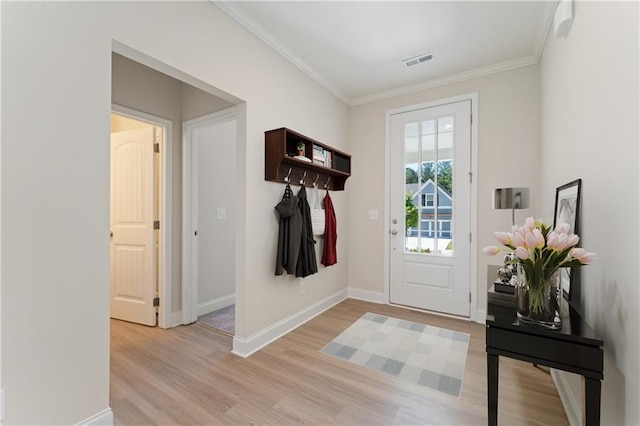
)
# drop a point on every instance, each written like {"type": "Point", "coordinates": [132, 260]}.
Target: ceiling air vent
{"type": "Point", "coordinates": [418, 59]}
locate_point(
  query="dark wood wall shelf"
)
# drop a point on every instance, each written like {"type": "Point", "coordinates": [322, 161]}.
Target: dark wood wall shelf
{"type": "Point", "coordinates": [329, 167]}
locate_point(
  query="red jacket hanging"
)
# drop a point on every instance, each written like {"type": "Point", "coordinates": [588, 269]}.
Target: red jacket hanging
{"type": "Point", "coordinates": [329, 254]}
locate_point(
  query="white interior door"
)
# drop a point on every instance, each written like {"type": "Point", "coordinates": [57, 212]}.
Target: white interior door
{"type": "Point", "coordinates": [133, 246]}
{"type": "Point", "coordinates": [430, 199]}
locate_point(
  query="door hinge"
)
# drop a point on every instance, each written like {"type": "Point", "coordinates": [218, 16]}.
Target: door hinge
{"type": "Point", "coordinates": [470, 177]}
{"type": "Point", "coordinates": [471, 119]}
{"type": "Point", "coordinates": [156, 224]}
{"type": "Point", "coordinates": [156, 147]}
{"type": "Point", "coordinates": [469, 297]}
{"type": "Point", "coordinates": [156, 301]}
{"type": "Point", "coordinates": [470, 237]}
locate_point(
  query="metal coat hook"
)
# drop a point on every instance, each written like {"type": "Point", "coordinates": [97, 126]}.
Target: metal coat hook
{"type": "Point", "coordinates": [315, 182]}
{"type": "Point", "coordinates": [286, 178]}
{"type": "Point", "coordinates": [303, 176]}
{"type": "Point", "coordinates": [326, 185]}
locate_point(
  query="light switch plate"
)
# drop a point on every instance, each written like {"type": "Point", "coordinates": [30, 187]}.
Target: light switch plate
{"type": "Point", "coordinates": [221, 213]}
{"type": "Point", "coordinates": [373, 214]}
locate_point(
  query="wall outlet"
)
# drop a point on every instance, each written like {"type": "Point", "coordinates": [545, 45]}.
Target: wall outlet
{"type": "Point", "coordinates": [221, 213]}
{"type": "Point", "coordinates": [303, 288]}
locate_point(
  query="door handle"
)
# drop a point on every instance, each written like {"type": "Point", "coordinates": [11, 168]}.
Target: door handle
{"type": "Point", "coordinates": [394, 232]}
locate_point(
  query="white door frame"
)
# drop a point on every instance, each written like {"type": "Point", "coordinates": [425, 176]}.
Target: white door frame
{"type": "Point", "coordinates": [473, 258]}
{"type": "Point", "coordinates": [190, 209]}
{"type": "Point", "coordinates": [165, 194]}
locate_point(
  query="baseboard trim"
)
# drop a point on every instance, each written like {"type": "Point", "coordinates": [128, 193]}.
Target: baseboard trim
{"type": "Point", "coordinates": [367, 295]}
{"type": "Point", "coordinates": [572, 408]}
{"type": "Point", "coordinates": [481, 317]}
{"type": "Point", "coordinates": [244, 347]}
{"type": "Point", "coordinates": [176, 319]}
{"type": "Point", "coordinates": [215, 304]}
{"type": "Point", "coordinates": [103, 418]}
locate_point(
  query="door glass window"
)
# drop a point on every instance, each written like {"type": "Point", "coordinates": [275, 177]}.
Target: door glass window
{"type": "Point", "coordinates": [428, 148]}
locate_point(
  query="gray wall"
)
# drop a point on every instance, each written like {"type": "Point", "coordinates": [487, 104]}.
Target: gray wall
{"type": "Point", "coordinates": [590, 131]}
{"type": "Point", "coordinates": [56, 64]}
{"type": "Point", "coordinates": [216, 237]}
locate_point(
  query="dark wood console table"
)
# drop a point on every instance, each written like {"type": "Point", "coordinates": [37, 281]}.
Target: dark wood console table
{"type": "Point", "coordinates": [574, 348]}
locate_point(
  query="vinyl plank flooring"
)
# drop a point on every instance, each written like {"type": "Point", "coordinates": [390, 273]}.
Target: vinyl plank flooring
{"type": "Point", "coordinates": [187, 375]}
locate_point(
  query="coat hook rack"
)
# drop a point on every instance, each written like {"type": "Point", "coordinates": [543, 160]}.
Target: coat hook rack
{"type": "Point", "coordinates": [303, 176]}
{"type": "Point", "coordinates": [281, 143]}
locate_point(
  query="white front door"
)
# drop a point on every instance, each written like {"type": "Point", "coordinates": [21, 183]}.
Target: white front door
{"type": "Point", "coordinates": [133, 271]}
{"type": "Point", "coordinates": [430, 199]}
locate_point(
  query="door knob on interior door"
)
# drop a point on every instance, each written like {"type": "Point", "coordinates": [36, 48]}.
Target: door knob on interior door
{"type": "Point", "coordinates": [394, 232]}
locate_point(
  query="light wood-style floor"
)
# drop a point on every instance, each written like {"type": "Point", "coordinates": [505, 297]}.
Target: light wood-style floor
{"type": "Point", "coordinates": [187, 375]}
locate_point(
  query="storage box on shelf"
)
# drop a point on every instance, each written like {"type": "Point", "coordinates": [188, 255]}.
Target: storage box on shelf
{"type": "Point", "coordinates": [323, 164]}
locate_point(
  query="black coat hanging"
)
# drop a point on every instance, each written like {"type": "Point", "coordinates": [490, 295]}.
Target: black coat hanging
{"type": "Point", "coordinates": [307, 263]}
{"type": "Point", "coordinates": [289, 233]}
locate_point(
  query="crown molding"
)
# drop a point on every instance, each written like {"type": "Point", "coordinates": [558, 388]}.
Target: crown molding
{"type": "Point", "coordinates": [283, 50]}
{"type": "Point", "coordinates": [455, 78]}
{"type": "Point", "coordinates": [276, 44]}
{"type": "Point", "coordinates": [544, 34]}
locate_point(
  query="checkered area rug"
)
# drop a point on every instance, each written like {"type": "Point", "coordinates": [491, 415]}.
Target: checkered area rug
{"type": "Point", "coordinates": [422, 354]}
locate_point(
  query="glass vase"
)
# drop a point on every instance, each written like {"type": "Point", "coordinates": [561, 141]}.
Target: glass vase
{"type": "Point", "coordinates": [539, 302]}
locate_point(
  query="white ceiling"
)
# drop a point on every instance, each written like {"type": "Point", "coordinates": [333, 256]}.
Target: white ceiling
{"type": "Point", "coordinates": [355, 48]}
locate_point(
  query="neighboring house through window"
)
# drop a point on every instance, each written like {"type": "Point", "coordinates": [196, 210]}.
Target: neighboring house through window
{"type": "Point", "coordinates": [435, 207]}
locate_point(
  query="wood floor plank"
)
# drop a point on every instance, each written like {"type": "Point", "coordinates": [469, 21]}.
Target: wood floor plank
{"type": "Point", "coordinates": [187, 375]}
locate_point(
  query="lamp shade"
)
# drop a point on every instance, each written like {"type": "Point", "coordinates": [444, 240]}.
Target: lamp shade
{"type": "Point", "coordinates": [511, 198]}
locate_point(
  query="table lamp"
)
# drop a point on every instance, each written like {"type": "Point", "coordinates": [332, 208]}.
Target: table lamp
{"type": "Point", "coordinates": [504, 199]}
{"type": "Point", "coordinates": [511, 198]}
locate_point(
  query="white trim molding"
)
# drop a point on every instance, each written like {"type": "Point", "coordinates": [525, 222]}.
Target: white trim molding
{"type": "Point", "coordinates": [176, 319]}
{"type": "Point", "coordinates": [572, 407]}
{"type": "Point", "coordinates": [103, 418]}
{"type": "Point", "coordinates": [254, 27]}
{"type": "Point", "coordinates": [251, 25]}
{"type": "Point", "coordinates": [450, 79]}
{"type": "Point", "coordinates": [215, 304]}
{"type": "Point", "coordinates": [244, 347]}
{"type": "Point", "coordinates": [368, 295]}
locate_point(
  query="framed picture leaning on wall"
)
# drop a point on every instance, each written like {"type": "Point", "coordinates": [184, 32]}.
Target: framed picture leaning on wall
{"type": "Point", "coordinates": [567, 210]}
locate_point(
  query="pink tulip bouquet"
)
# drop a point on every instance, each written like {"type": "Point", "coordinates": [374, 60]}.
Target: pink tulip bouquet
{"type": "Point", "coordinates": [541, 252]}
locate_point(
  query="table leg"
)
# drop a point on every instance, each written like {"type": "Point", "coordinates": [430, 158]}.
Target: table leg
{"type": "Point", "coordinates": [492, 389]}
{"type": "Point", "coordinates": [592, 401]}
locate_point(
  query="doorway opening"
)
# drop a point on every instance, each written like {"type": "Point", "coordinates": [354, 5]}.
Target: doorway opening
{"type": "Point", "coordinates": [139, 248]}
{"type": "Point", "coordinates": [159, 90]}
{"type": "Point", "coordinates": [209, 220]}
